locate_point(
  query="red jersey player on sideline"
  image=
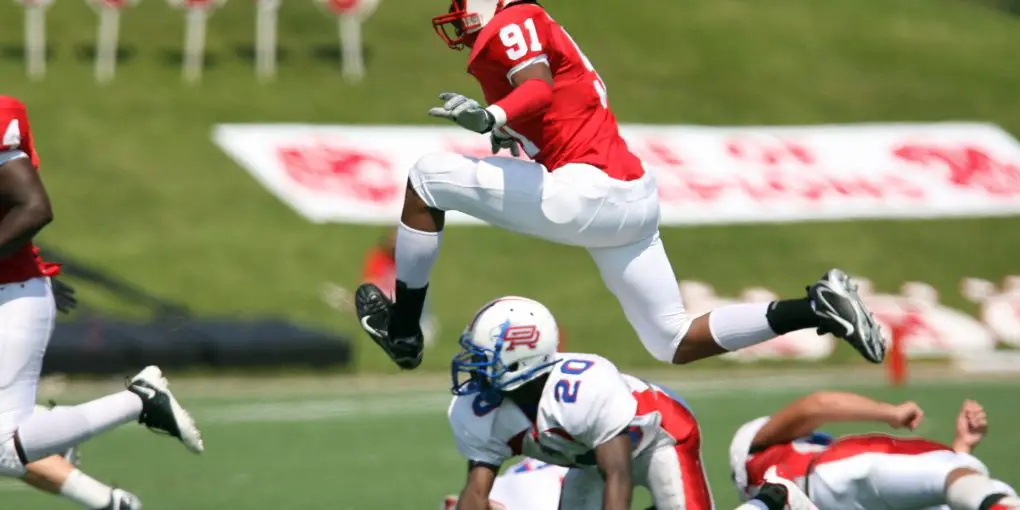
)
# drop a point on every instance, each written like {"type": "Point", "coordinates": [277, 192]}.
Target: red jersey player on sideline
{"type": "Point", "coordinates": [30, 440]}
{"type": "Point", "coordinates": [871, 471]}
{"type": "Point", "coordinates": [585, 188]}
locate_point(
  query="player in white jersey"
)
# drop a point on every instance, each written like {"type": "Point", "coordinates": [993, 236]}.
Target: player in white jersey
{"type": "Point", "coordinates": [870, 471]}
{"type": "Point", "coordinates": [522, 397]}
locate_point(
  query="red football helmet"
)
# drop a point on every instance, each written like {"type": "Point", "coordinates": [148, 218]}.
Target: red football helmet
{"type": "Point", "coordinates": [465, 19]}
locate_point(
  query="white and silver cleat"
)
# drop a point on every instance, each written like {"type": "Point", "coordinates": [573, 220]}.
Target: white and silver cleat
{"type": "Point", "coordinates": [123, 500]}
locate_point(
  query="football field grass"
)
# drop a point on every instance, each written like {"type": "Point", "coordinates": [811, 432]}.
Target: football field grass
{"type": "Point", "coordinates": [337, 444]}
{"type": "Point", "coordinates": [140, 189]}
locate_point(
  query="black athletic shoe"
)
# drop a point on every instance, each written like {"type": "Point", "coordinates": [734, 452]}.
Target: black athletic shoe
{"type": "Point", "coordinates": [160, 410]}
{"type": "Point", "coordinates": [374, 309]}
{"type": "Point", "coordinates": [842, 313]}
{"type": "Point", "coordinates": [773, 495]}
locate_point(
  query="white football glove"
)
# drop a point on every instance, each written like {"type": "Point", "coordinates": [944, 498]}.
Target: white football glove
{"type": "Point", "coordinates": [464, 111]}
{"type": "Point", "coordinates": [500, 140]}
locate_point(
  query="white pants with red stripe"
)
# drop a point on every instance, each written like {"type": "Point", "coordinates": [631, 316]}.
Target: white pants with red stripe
{"type": "Point", "coordinates": [674, 476]}
{"type": "Point", "coordinates": [578, 205]}
{"type": "Point", "coordinates": [883, 481]}
{"type": "Point", "coordinates": [27, 317]}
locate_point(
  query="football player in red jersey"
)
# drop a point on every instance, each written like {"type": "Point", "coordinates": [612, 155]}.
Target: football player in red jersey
{"type": "Point", "coordinates": [584, 188]}
{"type": "Point", "coordinates": [29, 440]}
{"type": "Point", "coordinates": [871, 471]}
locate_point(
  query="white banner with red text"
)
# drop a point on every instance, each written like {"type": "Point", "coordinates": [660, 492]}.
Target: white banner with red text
{"type": "Point", "coordinates": [357, 174]}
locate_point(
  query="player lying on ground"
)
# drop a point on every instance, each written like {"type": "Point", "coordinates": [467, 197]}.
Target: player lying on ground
{"type": "Point", "coordinates": [521, 397]}
{"type": "Point", "coordinates": [584, 188]}
{"type": "Point", "coordinates": [27, 311]}
{"type": "Point", "coordinates": [869, 472]}
{"type": "Point", "coordinates": [535, 485]}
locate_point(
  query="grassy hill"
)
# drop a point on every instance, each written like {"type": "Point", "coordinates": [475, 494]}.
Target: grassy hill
{"type": "Point", "coordinates": [140, 189]}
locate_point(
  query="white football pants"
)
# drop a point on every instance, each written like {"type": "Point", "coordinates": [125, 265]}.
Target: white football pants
{"type": "Point", "coordinates": [882, 481]}
{"type": "Point", "coordinates": [27, 316]}
{"type": "Point", "coordinates": [578, 205]}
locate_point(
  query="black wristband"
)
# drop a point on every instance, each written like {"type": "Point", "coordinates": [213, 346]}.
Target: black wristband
{"type": "Point", "coordinates": [490, 120]}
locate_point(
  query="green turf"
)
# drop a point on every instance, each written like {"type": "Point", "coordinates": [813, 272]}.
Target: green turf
{"type": "Point", "coordinates": [140, 189]}
{"type": "Point", "coordinates": [394, 451]}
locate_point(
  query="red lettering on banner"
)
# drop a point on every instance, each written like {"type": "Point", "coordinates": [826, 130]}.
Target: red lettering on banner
{"type": "Point", "coordinates": [966, 166]}
{"type": "Point", "coordinates": [526, 336]}
{"type": "Point", "coordinates": [679, 187]}
{"type": "Point", "coordinates": [657, 153]}
{"type": "Point", "coordinates": [341, 170]}
{"type": "Point", "coordinates": [769, 152]}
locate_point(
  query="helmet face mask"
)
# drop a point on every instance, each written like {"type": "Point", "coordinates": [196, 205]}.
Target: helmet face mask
{"type": "Point", "coordinates": [510, 341]}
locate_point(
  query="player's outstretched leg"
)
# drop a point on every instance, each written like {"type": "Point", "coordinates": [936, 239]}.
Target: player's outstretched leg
{"type": "Point", "coordinates": [641, 277]}
{"type": "Point", "coordinates": [147, 400]}
{"type": "Point", "coordinates": [832, 305]}
{"type": "Point", "coordinates": [396, 326]}
{"type": "Point", "coordinates": [60, 475]}
{"type": "Point", "coordinates": [56, 475]}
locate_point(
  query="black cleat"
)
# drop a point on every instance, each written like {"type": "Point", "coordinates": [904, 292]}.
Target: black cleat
{"type": "Point", "coordinates": [842, 313]}
{"type": "Point", "coordinates": [160, 410]}
{"type": "Point", "coordinates": [374, 310]}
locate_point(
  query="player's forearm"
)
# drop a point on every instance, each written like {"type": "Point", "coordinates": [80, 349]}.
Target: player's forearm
{"type": "Point", "coordinates": [960, 446]}
{"type": "Point", "coordinates": [21, 224]}
{"type": "Point", "coordinates": [618, 490]}
{"type": "Point", "coordinates": [806, 415]}
{"type": "Point", "coordinates": [527, 100]}
{"type": "Point", "coordinates": [472, 500]}
{"type": "Point", "coordinates": [830, 407]}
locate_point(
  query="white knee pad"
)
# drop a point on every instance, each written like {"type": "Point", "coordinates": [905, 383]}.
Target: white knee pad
{"type": "Point", "coordinates": [1004, 488]}
{"type": "Point", "coordinates": [969, 491]}
{"type": "Point", "coordinates": [437, 167]}
{"type": "Point", "coordinates": [10, 463]}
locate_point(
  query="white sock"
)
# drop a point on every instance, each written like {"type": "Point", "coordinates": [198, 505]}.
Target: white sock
{"type": "Point", "coordinates": [742, 325]}
{"type": "Point", "coordinates": [753, 504]}
{"type": "Point", "coordinates": [86, 491]}
{"type": "Point", "coordinates": [52, 433]}
{"type": "Point", "coordinates": [416, 253]}
{"type": "Point", "coordinates": [969, 491]}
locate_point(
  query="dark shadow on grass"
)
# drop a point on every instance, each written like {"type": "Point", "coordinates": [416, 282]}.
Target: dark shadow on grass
{"type": "Point", "coordinates": [175, 57]}
{"type": "Point", "coordinates": [1011, 7]}
{"type": "Point", "coordinates": [17, 52]}
{"type": "Point", "coordinates": [330, 53]}
{"type": "Point", "coordinates": [246, 52]}
{"type": "Point", "coordinates": [87, 52]}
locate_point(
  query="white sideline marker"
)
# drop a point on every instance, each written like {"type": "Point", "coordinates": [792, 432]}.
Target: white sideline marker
{"type": "Point", "coordinates": [196, 19]}
{"type": "Point", "coordinates": [35, 37]}
{"type": "Point", "coordinates": [266, 21]}
{"type": "Point", "coordinates": [350, 15]}
{"type": "Point", "coordinates": [107, 37]}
